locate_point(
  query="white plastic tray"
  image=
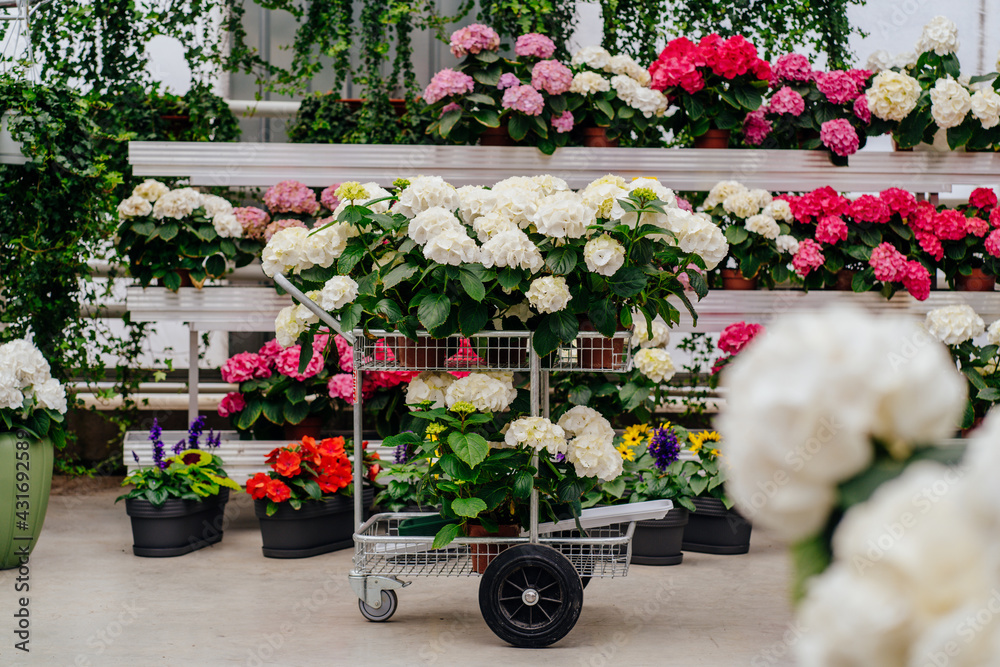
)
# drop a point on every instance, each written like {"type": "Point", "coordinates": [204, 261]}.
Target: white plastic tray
{"type": "Point", "coordinates": [605, 516]}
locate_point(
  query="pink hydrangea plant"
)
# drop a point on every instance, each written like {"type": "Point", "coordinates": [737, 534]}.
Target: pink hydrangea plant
{"type": "Point", "coordinates": [756, 127]}
{"type": "Point", "coordinates": [840, 137]}
{"type": "Point", "coordinates": [786, 100]}
{"type": "Point", "coordinates": [808, 258]}
{"type": "Point", "coordinates": [291, 197]}
{"type": "Point", "coordinates": [551, 76]}
{"type": "Point", "coordinates": [231, 403]}
{"type": "Point", "coordinates": [563, 122]}
{"type": "Point", "coordinates": [253, 221]}
{"type": "Point", "coordinates": [534, 45]}
{"type": "Point", "coordinates": [474, 38]}
{"type": "Point", "coordinates": [525, 99]}
{"type": "Point", "coordinates": [888, 263]}
{"type": "Point", "coordinates": [446, 83]}
{"type": "Point", "coordinates": [831, 229]}
{"type": "Point", "coordinates": [245, 366]}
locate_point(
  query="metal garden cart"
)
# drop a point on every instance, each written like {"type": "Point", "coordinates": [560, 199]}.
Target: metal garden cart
{"type": "Point", "coordinates": [531, 586]}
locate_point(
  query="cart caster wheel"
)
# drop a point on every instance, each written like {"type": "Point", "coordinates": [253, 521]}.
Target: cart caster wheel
{"type": "Point", "coordinates": [530, 596]}
{"type": "Point", "coordinates": [383, 613]}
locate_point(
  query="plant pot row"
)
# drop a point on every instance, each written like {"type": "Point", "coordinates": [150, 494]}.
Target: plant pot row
{"type": "Point", "coordinates": [711, 529]}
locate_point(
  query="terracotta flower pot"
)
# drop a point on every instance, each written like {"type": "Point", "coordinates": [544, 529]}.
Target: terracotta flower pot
{"type": "Point", "coordinates": [309, 426]}
{"type": "Point", "coordinates": [496, 136]}
{"type": "Point", "coordinates": [977, 281]}
{"type": "Point", "coordinates": [599, 353]}
{"type": "Point", "coordinates": [597, 137]}
{"type": "Point", "coordinates": [713, 139]}
{"type": "Point", "coordinates": [482, 555]}
{"type": "Point", "coordinates": [732, 279]}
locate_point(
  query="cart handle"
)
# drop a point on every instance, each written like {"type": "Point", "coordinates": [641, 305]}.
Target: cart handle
{"type": "Point", "coordinates": [326, 317]}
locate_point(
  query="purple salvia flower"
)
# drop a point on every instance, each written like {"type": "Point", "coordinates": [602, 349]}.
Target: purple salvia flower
{"type": "Point", "coordinates": [402, 453]}
{"type": "Point", "coordinates": [154, 436]}
{"type": "Point", "coordinates": [214, 439]}
{"type": "Point", "coordinates": [194, 432]}
{"type": "Point", "coordinates": [135, 456]}
{"type": "Point", "coordinates": [664, 448]}
{"type": "Point", "coordinates": [178, 448]}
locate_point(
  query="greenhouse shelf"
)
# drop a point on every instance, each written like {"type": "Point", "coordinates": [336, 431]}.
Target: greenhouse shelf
{"type": "Point", "coordinates": [318, 165]}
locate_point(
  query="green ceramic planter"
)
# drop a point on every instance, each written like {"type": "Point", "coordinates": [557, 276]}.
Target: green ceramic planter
{"type": "Point", "coordinates": [25, 480]}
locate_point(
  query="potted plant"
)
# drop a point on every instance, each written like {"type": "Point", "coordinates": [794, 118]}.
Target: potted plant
{"type": "Point", "coordinates": [713, 84]}
{"type": "Point", "coordinates": [180, 236]}
{"type": "Point", "coordinates": [405, 481]}
{"type": "Point", "coordinates": [653, 471]}
{"type": "Point", "coordinates": [304, 502]}
{"type": "Point", "coordinates": [552, 256]}
{"type": "Point", "coordinates": [176, 504]}
{"type": "Point", "coordinates": [32, 405]}
{"type": "Point", "coordinates": [714, 526]}
{"type": "Point", "coordinates": [970, 259]}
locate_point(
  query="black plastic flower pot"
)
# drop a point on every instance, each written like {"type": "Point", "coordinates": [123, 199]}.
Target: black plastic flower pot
{"type": "Point", "coordinates": [177, 527]}
{"type": "Point", "coordinates": [712, 529]}
{"type": "Point", "coordinates": [659, 542]}
{"type": "Point", "coordinates": [318, 527]}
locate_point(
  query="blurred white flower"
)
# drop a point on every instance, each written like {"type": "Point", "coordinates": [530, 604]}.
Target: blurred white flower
{"type": "Point", "coordinates": [954, 325]}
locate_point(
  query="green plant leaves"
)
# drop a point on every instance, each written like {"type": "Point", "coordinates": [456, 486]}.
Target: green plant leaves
{"type": "Point", "coordinates": [446, 535]}
{"type": "Point", "coordinates": [433, 310]}
{"type": "Point", "coordinates": [562, 261]}
{"type": "Point", "coordinates": [518, 126]}
{"type": "Point", "coordinates": [469, 447]}
{"type": "Point", "coordinates": [604, 317]}
{"type": "Point", "coordinates": [468, 507]}
{"type": "Point", "coordinates": [472, 284]}
{"type": "Point", "coordinates": [627, 281]}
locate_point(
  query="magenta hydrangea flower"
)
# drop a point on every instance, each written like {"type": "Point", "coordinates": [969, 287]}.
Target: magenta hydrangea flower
{"type": "Point", "coordinates": [563, 122]}
{"type": "Point", "coordinates": [860, 77]}
{"type": "Point", "coordinates": [977, 226]}
{"type": "Point", "coordinates": [889, 264]}
{"type": "Point", "coordinates": [551, 76]}
{"type": "Point", "coordinates": [993, 243]}
{"type": "Point", "coordinates": [831, 229]}
{"type": "Point", "coordinates": [291, 197]}
{"type": "Point", "coordinates": [328, 198]}
{"type": "Point", "coordinates": [446, 83]}
{"type": "Point", "coordinates": [930, 244]}
{"type": "Point", "coordinates": [899, 201]}
{"type": "Point", "coordinates": [983, 198]}
{"type": "Point", "coordinates": [253, 220]}
{"type": "Point", "coordinates": [508, 80]}
{"type": "Point", "coordinates": [245, 366]}
{"type": "Point", "coordinates": [341, 386]}
{"type": "Point", "coordinates": [474, 38]}
{"type": "Point", "coordinates": [756, 127]}
{"type": "Point", "coordinates": [787, 100]}
{"type": "Point", "coordinates": [231, 403]}
{"type": "Point", "coordinates": [870, 208]}
{"type": "Point", "coordinates": [525, 99]}
{"type": "Point", "coordinates": [917, 280]}
{"type": "Point", "coordinates": [534, 45]}
{"type": "Point", "coordinates": [808, 258]}
{"type": "Point", "coordinates": [736, 336]}
{"type": "Point", "coordinates": [840, 137]}
{"type": "Point", "coordinates": [838, 86]}
{"type": "Point", "coordinates": [287, 363]}
{"type": "Point", "coordinates": [861, 110]}
{"type": "Point", "coordinates": [278, 225]}
{"type": "Point", "coordinates": [949, 225]}
{"type": "Point", "coordinates": [793, 67]}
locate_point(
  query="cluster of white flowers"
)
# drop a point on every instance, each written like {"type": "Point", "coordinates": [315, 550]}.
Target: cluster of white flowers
{"type": "Point", "coordinates": [950, 103]}
{"type": "Point", "coordinates": [486, 391]}
{"type": "Point", "coordinates": [323, 246]}
{"type": "Point", "coordinates": [655, 364]}
{"type": "Point", "coordinates": [548, 294]}
{"type": "Point", "coordinates": [290, 323]}
{"type": "Point", "coordinates": [985, 105]}
{"type": "Point", "coordinates": [475, 201]}
{"type": "Point", "coordinates": [953, 325]}
{"type": "Point", "coordinates": [511, 247]}
{"type": "Point", "coordinates": [700, 236]}
{"type": "Point", "coordinates": [594, 57]}
{"type": "Point", "coordinates": [940, 35]}
{"type": "Point", "coordinates": [134, 207]}
{"type": "Point", "coordinates": [779, 209]}
{"type": "Point", "coordinates": [429, 386]}
{"type": "Point", "coordinates": [646, 100]}
{"type": "Point", "coordinates": [805, 401]}
{"type": "Point", "coordinates": [893, 95]}
{"type": "Point", "coordinates": [26, 380]}
{"type": "Point", "coordinates": [338, 292]}
{"type": "Point", "coordinates": [883, 60]}
{"type": "Point", "coordinates": [214, 205]}
{"type": "Point", "coordinates": [993, 333]}
{"type": "Point", "coordinates": [786, 243]}
{"type": "Point", "coordinates": [452, 246]}
{"type": "Point", "coordinates": [227, 225]}
{"type": "Point", "coordinates": [177, 204]}
{"type": "Point", "coordinates": [426, 192]}
{"type": "Point", "coordinates": [563, 215]}
{"type": "Point", "coordinates": [915, 570]}
{"type": "Point", "coordinates": [591, 448]}
{"type": "Point", "coordinates": [604, 255]}
{"type": "Point", "coordinates": [538, 433]}
{"type": "Point", "coordinates": [588, 83]}
{"type": "Point", "coordinates": [284, 251]}
{"type": "Point", "coordinates": [643, 335]}
{"type": "Point", "coordinates": [150, 190]}
{"type": "Point", "coordinates": [764, 225]}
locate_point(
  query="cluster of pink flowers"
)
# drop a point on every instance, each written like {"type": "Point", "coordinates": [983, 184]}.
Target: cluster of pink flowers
{"type": "Point", "coordinates": [899, 201]}
{"type": "Point", "coordinates": [820, 202]}
{"type": "Point", "coordinates": [474, 38]}
{"type": "Point", "coordinates": [253, 221]}
{"type": "Point", "coordinates": [841, 86]}
{"type": "Point", "coordinates": [808, 258]}
{"type": "Point", "coordinates": [551, 76]}
{"type": "Point", "coordinates": [245, 366]}
{"type": "Point", "coordinates": [525, 99]}
{"type": "Point", "coordinates": [756, 127]}
{"type": "Point", "coordinates": [888, 263]}
{"type": "Point", "coordinates": [278, 225]}
{"type": "Point", "coordinates": [870, 208]}
{"type": "Point", "coordinates": [291, 197]}
{"type": "Point", "coordinates": [328, 198]}
{"type": "Point", "coordinates": [446, 83]}
{"type": "Point", "coordinates": [287, 362]}
{"type": "Point", "coordinates": [534, 45]}
{"type": "Point", "coordinates": [508, 80]}
{"type": "Point", "coordinates": [788, 101]}
{"type": "Point", "coordinates": [985, 199]}
{"type": "Point", "coordinates": [563, 122]}
{"type": "Point", "coordinates": [231, 403]}
{"type": "Point", "coordinates": [792, 67]}
{"type": "Point", "coordinates": [861, 110]}
{"type": "Point", "coordinates": [684, 63]}
{"type": "Point", "coordinates": [831, 229]}
{"type": "Point", "coordinates": [736, 336]}
{"type": "Point", "coordinates": [992, 243]}
{"type": "Point", "coordinates": [341, 385]}
{"type": "Point", "coordinates": [840, 137]}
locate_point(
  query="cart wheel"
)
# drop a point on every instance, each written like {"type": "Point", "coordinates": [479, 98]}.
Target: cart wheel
{"type": "Point", "coordinates": [530, 596]}
{"type": "Point", "coordinates": [383, 613]}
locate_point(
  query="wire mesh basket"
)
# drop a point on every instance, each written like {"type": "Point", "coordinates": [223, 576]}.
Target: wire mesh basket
{"type": "Point", "coordinates": [393, 351]}
{"type": "Point", "coordinates": [380, 550]}
{"type": "Point", "coordinates": [591, 351]}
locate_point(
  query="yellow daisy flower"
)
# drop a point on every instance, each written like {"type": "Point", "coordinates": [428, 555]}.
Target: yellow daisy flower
{"type": "Point", "coordinates": [626, 451]}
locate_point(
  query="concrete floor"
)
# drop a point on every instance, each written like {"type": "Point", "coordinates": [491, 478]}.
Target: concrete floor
{"type": "Point", "coordinates": [93, 603]}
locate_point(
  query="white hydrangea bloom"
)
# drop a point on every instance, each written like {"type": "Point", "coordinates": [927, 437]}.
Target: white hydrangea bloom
{"type": "Point", "coordinates": [537, 433]}
{"type": "Point", "coordinates": [603, 194]}
{"type": "Point", "coordinates": [954, 325]}
{"type": "Point", "coordinates": [338, 292]}
{"type": "Point", "coordinates": [486, 393]}
{"type": "Point", "coordinates": [893, 95]}
{"type": "Point", "coordinates": [287, 326]}
{"type": "Point", "coordinates": [654, 363]}
{"type": "Point", "coordinates": [548, 294]}
{"type": "Point", "coordinates": [511, 247]}
{"type": "Point", "coordinates": [426, 192]}
{"type": "Point", "coordinates": [644, 336]}
{"type": "Point", "coordinates": [214, 205]}
{"type": "Point", "coordinates": [563, 215]}
{"type": "Point", "coordinates": [588, 83]}
{"type": "Point", "coordinates": [650, 102]}
{"type": "Point", "coordinates": [741, 204]}
{"type": "Point", "coordinates": [594, 57]}
{"type": "Point", "coordinates": [764, 225]}
{"type": "Point", "coordinates": [227, 226]}
{"type": "Point", "coordinates": [993, 333]}
{"type": "Point", "coordinates": [705, 239]}
{"type": "Point", "coordinates": [429, 386]}
{"type": "Point", "coordinates": [878, 61]}
{"type": "Point", "coordinates": [517, 204]}
{"type": "Point", "coordinates": [452, 246]}
{"type": "Point", "coordinates": [592, 451]}
{"type": "Point", "coordinates": [284, 251]}
{"type": "Point", "coordinates": [430, 222]}
{"type": "Point", "coordinates": [475, 201]}
{"type": "Point", "coordinates": [177, 204]}
{"type": "Point", "coordinates": [150, 190]}
{"type": "Point", "coordinates": [507, 377]}
{"type": "Point", "coordinates": [324, 246]}
{"type": "Point", "coordinates": [623, 64]}
{"type": "Point", "coordinates": [603, 255]}
{"type": "Point", "coordinates": [490, 224]}
{"type": "Point", "coordinates": [134, 207]}
{"type": "Point", "coordinates": [779, 209]}
{"type": "Point", "coordinates": [27, 363]}
{"type": "Point", "coordinates": [985, 105]}
{"type": "Point", "coordinates": [578, 418]}
{"type": "Point", "coordinates": [787, 243]}
{"type": "Point", "coordinates": [722, 191]}
{"type": "Point", "coordinates": [547, 184]}
{"type": "Point", "coordinates": [805, 401]}
{"type": "Point", "coordinates": [950, 103]}
{"type": "Point", "coordinates": [940, 35]}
